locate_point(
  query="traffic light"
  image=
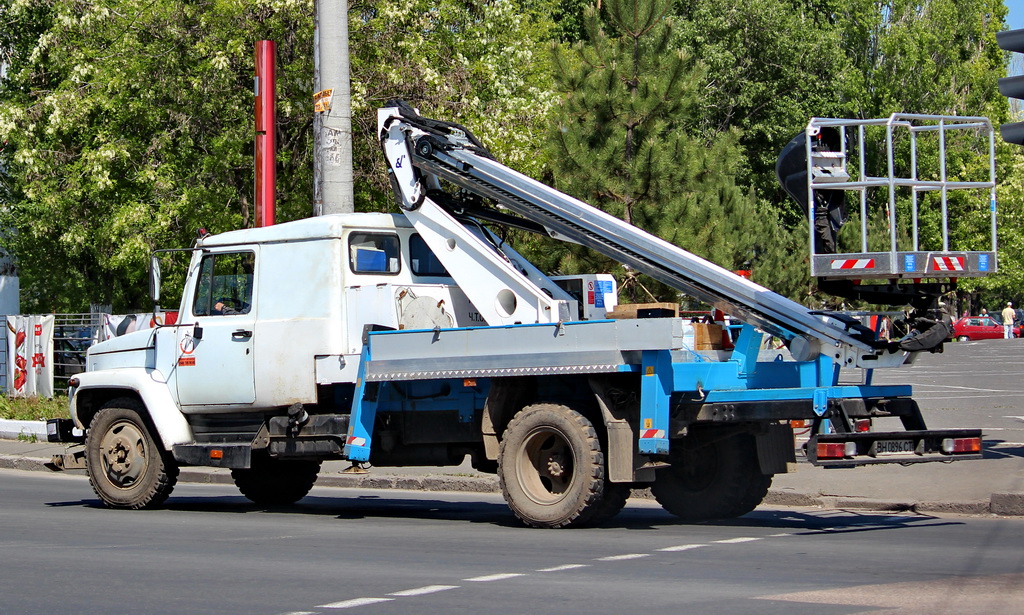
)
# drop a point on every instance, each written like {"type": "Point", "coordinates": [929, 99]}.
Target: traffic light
{"type": "Point", "coordinates": [1012, 87]}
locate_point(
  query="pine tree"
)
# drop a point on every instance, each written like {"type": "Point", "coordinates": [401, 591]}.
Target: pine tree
{"type": "Point", "coordinates": [624, 140]}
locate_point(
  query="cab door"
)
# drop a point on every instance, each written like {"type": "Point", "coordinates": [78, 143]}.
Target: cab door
{"type": "Point", "coordinates": [216, 359]}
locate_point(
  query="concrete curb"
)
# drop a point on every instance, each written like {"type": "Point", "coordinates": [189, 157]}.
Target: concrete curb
{"type": "Point", "coordinates": [1000, 504]}
{"type": "Point", "coordinates": [14, 430]}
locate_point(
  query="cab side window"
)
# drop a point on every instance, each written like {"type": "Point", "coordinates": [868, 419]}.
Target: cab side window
{"type": "Point", "coordinates": [225, 284]}
{"type": "Point", "coordinates": [423, 261]}
{"type": "Point", "coordinates": [374, 253]}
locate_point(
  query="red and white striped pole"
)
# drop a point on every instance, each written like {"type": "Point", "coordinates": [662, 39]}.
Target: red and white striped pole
{"type": "Point", "coordinates": [266, 132]}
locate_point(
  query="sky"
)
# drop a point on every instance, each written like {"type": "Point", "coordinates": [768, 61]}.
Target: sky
{"type": "Point", "coordinates": [1016, 17]}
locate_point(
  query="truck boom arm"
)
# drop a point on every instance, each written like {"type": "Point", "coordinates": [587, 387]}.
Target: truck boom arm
{"type": "Point", "coordinates": [438, 150]}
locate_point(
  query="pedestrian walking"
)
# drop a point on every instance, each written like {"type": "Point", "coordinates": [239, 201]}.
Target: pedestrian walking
{"type": "Point", "coordinates": [1008, 316]}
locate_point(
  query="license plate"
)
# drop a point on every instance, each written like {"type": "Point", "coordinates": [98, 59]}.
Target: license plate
{"type": "Point", "coordinates": [894, 447]}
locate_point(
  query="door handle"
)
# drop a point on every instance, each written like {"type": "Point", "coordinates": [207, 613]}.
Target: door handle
{"type": "Point", "coordinates": [239, 333]}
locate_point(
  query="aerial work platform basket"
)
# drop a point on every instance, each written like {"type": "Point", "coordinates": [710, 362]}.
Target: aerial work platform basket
{"type": "Point", "coordinates": [891, 175]}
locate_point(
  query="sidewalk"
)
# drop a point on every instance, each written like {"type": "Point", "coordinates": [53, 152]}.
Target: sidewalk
{"type": "Point", "coordinates": [994, 485]}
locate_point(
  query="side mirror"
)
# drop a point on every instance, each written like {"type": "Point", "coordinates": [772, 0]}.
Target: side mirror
{"type": "Point", "coordinates": [154, 279]}
{"type": "Point", "coordinates": [197, 332]}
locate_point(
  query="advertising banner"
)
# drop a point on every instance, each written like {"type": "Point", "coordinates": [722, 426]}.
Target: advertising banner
{"type": "Point", "coordinates": [30, 356]}
{"type": "Point", "coordinates": [116, 325]}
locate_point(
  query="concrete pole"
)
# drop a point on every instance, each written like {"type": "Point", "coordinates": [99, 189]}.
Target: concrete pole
{"type": "Point", "coordinates": [332, 123]}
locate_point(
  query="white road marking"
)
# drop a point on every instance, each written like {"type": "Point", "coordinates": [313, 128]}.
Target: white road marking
{"type": "Point", "coordinates": [935, 397]}
{"type": "Point", "coordinates": [422, 591]}
{"type": "Point", "coordinates": [495, 577]}
{"type": "Point", "coordinates": [682, 547]}
{"type": "Point", "coordinates": [564, 567]}
{"type": "Point", "coordinates": [348, 604]}
{"type": "Point", "coordinates": [950, 386]}
{"type": "Point", "coordinates": [617, 558]}
{"type": "Point", "coordinates": [432, 589]}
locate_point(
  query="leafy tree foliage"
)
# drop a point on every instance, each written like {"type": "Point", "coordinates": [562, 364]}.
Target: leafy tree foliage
{"type": "Point", "coordinates": [128, 126]}
{"type": "Point", "coordinates": [624, 140]}
{"type": "Point", "coordinates": [483, 64]}
{"type": "Point", "coordinates": [776, 63]}
{"type": "Point", "coordinates": [772, 65]}
{"type": "Point", "coordinates": [939, 57]}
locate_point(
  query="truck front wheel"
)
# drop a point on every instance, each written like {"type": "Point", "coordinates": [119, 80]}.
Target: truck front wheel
{"type": "Point", "coordinates": [127, 468]}
{"type": "Point", "coordinates": [276, 482]}
{"type": "Point", "coordinates": [551, 469]}
{"type": "Point", "coordinates": [711, 478]}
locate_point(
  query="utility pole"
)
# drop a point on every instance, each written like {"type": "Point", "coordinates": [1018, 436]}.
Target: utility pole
{"type": "Point", "coordinates": [332, 119]}
{"type": "Point", "coordinates": [266, 132]}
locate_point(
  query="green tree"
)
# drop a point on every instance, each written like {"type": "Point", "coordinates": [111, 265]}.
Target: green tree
{"type": "Point", "coordinates": [128, 126]}
{"type": "Point", "coordinates": [775, 63]}
{"type": "Point", "coordinates": [772, 65]}
{"type": "Point", "coordinates": [625, 139]}
{"type": "Point", "coordinates": [480, 63]}
{"type": "Point", "coordinates": [941, 57]}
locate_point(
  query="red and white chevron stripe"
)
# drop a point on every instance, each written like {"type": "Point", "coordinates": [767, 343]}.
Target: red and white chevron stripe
{"type": "Point", "coordinates": [652, 433]}
{"type": "Point", "coordinates": [947, 263]}
{"type": "Point", "coordinates": [854, 263]}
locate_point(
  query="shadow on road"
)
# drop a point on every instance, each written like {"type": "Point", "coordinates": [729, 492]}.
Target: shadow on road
{"type": "Point", "coordinates": [833, 521]}
{"type": "Point", "coordinates": [634, 517]}
{"type": "Point", "coordinates": [1001, 449]}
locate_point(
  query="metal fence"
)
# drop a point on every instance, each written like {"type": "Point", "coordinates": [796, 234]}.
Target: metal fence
{"type": "Point", "coordinates": [73, 334]}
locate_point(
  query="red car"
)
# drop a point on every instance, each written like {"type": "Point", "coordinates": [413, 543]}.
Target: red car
{"type": "Point", "coordinates": [979, 328]}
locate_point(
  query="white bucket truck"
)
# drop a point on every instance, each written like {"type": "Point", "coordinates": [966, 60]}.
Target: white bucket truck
{"type": "Point", "coordinates": [420, 338]}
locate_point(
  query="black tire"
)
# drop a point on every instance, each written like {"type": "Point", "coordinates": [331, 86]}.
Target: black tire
{"type": "Point", "coordinates": [963, 338]}
{"type": "Point", "coordinates": [551, 468]}
{"type": "Point", "coordinates": [276, 482]}
{"type": "Point", "coordinates": [613, 500]}
{"type": "Point", "coordinates": [718, 478]}
{"type": "Point", "coordinates": [127, 467]}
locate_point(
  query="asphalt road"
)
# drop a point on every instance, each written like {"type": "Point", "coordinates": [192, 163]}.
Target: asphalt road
{"type": "Point", "coordinates": [388, 552]}
{"type": "Point", "coordinates": [971, 384]}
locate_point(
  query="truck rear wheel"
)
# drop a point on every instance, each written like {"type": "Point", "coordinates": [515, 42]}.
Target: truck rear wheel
{"type": "Point", "coordinates": [712, 479]}
{"type": "Point", "coordinates": [551, 469]}
{"type": "Point", "coordinates": [276, 482]}
{"type": "Point", "coordinates": [127, 467]}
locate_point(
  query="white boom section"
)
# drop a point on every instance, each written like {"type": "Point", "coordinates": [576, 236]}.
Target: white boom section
{"type": "Point", "coordinates": [453, 158]}
{"type": "Point", "coordinates": [505, 288]}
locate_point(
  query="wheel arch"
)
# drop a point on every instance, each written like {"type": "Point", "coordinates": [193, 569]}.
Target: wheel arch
{"type": "Point", "coordinates": [596, 396]}
{"type": "Point", "coordinates": [155, 399]}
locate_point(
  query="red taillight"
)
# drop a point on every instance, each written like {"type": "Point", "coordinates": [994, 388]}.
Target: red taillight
{"type": "Point", "coordinates": [961, 445]}
{"type": "Point", "coordinates": [836, 450]}
{"type": "Point", "coordinates": [862, 425]}
{"type": "Point", "coordinates": [216, 454]}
